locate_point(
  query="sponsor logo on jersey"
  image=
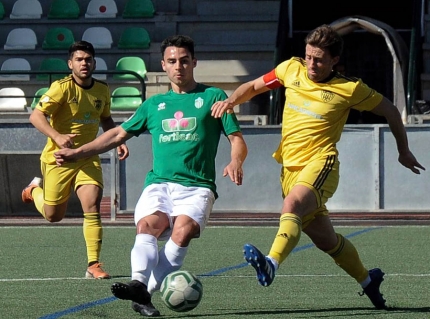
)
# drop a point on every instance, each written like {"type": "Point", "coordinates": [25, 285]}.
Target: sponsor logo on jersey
{"type": "Point", "coordinates": [179, 128]}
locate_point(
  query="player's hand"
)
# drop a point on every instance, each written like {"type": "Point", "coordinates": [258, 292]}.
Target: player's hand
{"type": "Point", "coordinates": [64, 155]}
{"type": "Point", "coordinates": [123, 152]}
{"type": "Point", "coordinates": [221, 107]}
{"type": "Point", "coordinates": [408, 160]}
{"type": "Point", "coordinates": [234, 171]}
{"type": "Point", "coordinates": [65, 140]}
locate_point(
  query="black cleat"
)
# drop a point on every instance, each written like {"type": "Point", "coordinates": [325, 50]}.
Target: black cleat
{"type": "Point", "coordinates": [146, 310]}
{"type": "Point", "coordinates": [134, 291]}
{"type": "Point", "coordinates": [372, 289]}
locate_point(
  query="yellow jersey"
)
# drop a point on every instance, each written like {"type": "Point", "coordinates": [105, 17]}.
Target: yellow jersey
{"type": "Point", "coordinates": [73, 109]}
{"type": "Point", "coordinates": [315, 113]}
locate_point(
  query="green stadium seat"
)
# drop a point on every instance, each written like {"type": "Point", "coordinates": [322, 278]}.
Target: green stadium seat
{"type": "Point", "coordinates": [37, 96]}
{"type": "Point", "coordinates": [2, 13]}
{"type": "Point", "coordinates": [138, 9]}
{"type": "Point", "coordinates": [125, 98]}
{"type": "Point", "coordinates": [134, 38]}
{"type": "Point", "coordinates": [58, 38]}
{"type": "Point", "coordinates": [53, 64]}
{"type": "Point", "coordinates": [130, 63]}
{"type": "Point", "coordinates": [64, 9]}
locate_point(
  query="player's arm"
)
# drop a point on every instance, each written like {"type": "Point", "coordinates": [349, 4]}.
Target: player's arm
{"type": "Point", "coordinates": [243, 93]}
{"type": "Point", "coordinates": [239, 151]}
{"type": "Point", "coordinates": [108, 123]}
{"type": "Point", "coordinates": [388, 110]}
{"type": "Point", "coordinates": [103, 143]}
{"type": "Point", "coordinates": [40, 121]}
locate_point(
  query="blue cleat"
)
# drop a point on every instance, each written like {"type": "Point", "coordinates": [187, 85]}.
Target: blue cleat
{"type": "Point", "coordinates": [372, 289]}
{"type": "Point", "coordinates": [262, 265]}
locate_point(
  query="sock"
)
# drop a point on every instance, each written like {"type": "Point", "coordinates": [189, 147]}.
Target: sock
{"type": "Point", "coordinates": [171, 258]}
{"type": "Point", "coordinates": [288, 236]}
{"type": "Point", "coordinates": [39, 202]}
{"type": "Point", "coordinates": [93, 234]}
{"type": "Point", "coordinates": [144, 257]}
{"type": "Point", "coordinates": [346, 257]}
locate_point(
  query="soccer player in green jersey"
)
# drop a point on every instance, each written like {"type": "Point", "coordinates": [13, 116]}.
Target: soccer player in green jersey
{"type": "Point", "coordinates": [179, 191]}
{"type": "Point", "coordinates": [70, 114]}
{"type": "Point", "coordinates": [318, 101]}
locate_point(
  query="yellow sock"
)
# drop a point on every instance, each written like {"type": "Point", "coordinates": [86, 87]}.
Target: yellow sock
{"type": "Point", "coordinates": [346, 257]}
{"type": "Point", "coordinates": [37, 194]}
{"type": "Point", "coordinates": [93, 233]}
{"type": "Point", "coordinates": [288, 236]}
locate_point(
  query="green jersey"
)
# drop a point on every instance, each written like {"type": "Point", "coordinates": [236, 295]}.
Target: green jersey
{"type": "Point", "coordinates": [185, 135]}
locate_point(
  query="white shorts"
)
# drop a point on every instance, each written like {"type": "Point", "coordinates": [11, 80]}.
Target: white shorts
{"type": "Point", "coordinates": [174, 200]}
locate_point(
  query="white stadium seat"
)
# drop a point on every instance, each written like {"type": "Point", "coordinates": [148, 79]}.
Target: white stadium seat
{"type": "Point", "coordinates": [21, 39]}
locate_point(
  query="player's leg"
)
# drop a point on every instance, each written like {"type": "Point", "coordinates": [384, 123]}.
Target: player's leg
{"type": "Point", "coordinates": [345, 255]}
{"type": "Point", "coordinates": [89, 190]}
{"type": "Point", "coordinates": [51, 199]}
{"type": "Point", "coordinates": [300, 199]}
{"type": "Point", "coordinates": [152, 222]}
{"type": "Point", "coordinates": [191, 210]}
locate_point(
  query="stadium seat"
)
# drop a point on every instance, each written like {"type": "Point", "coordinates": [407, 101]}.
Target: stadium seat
{"type": "Point", "coordinates": [100, 66]}
{"type": "Point", "coordinates": [100, 37]}
{"type": "Point", "coordinates": [101, 9]}
{"type": "Point", "coordinates": [64, 9]}
{"type": "Point", "coordinates": [134, 38]}
{"type": "Point", "coordinates": [15, 64]}
{"type": "Point", "coordinates": [12, 99]}
{"type": "Point", "coordinates": [130, 63]}
{"type": "Point", "coordinates": [26, 9]}
{"type": "Point", "coordinates": [138, 9]}
{"type": "Point", "coordinates": [37, 96]}
{"type": "Point", "coordinates": [53, 64]}
{"type": "Point", "coordinates": [125, 98]}
{"type": "Point", "coordinates": [21, 39]}
{"type": "Point", "coordinates": [2, 13]}
{"type": "Point", "coordinates": [58, 38]}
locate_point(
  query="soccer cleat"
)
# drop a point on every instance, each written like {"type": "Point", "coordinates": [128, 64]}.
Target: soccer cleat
{"type": "Point", "coordinates": [134, 291]}
{"type": "Point", "coordinates": [262, 265]}
{"type": "Point", "coordinates": [96, 271]}
{"type": "Point", "coordinates": [147, 310]}
{"type": "Point", "coordinates": [26, 192]}
{"type": "Point", "coordinates": [372, 289]}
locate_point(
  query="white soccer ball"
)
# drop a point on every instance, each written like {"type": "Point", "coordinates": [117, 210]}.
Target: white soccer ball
{"type": "Point", "coordinates": [181, 291]}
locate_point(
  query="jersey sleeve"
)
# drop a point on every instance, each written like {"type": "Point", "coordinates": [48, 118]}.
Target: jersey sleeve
{"type": "Point", "coordinates": [365, 98]}
{"type": "Point", "coordinates": [51, 100]}
{"type": "Point", "coordinates": [106, 110]}
{"type": "Point", "coordinates": [137, 123]}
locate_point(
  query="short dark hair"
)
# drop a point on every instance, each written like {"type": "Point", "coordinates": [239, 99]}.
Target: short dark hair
{"type": "Point", "coordinates": [81, 46]}
{"type": "Point", "coordinates": [326, 38]}
{"type": "Point", "coordinates": [179, 41]}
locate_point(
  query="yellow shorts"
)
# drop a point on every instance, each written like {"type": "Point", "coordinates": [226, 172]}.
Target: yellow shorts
{"type": "Point", "coordinates": [58, 181]}
{"type": "Point", "coordinates": [321, 176]}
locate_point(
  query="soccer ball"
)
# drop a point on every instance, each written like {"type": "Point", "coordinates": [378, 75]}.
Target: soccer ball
{"type": "Point", "coordinates": [181, 291]}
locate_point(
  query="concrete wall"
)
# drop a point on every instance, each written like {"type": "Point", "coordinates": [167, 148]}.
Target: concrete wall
{"type": "Point", "coordinates": [372, 180]}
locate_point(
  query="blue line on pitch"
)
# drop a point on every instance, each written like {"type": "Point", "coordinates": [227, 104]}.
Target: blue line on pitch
{"type": "Point", "coordinates": [295, 250]}
{"type": "Point", "coordinates": [81, 307]}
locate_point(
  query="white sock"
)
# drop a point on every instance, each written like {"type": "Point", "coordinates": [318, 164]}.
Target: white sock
{"type": "Point", "coordinates": [365, 282]}
{"type": "Point", "coordinates": [274, 262]}
{"type": "Point", "coordinates": [171, 258]}
{"type": "Point", "coordinates": [144, 257]}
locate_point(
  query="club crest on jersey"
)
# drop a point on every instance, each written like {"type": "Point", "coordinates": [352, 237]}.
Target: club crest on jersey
{"type": "Point", "coordinates": [198, 103]}
{"type": "Point", "coordinates": [327, 96]}
{"type": "Point", "coordinates": [179, 123]}
{"type": "Point", "coordinates": [98, 104]}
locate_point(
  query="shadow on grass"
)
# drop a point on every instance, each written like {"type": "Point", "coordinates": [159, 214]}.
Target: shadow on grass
{"type": "Point", "coordinates": [316, 313]}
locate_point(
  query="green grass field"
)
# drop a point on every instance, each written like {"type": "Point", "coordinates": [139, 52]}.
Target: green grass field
{"type": "Point", "coordinates": [42, 275]}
